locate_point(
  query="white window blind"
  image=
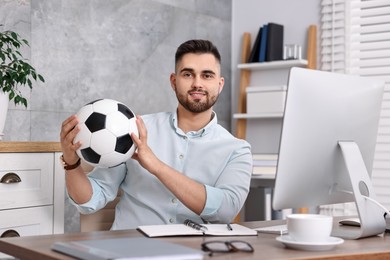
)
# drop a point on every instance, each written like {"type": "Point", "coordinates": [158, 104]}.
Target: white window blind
{"type": "Point", "coordinates": [355, 39]}
{"type": "Point", "coordinates": [333, 32]}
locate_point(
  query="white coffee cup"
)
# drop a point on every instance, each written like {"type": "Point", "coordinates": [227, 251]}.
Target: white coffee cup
{"type": "Point", "coordinates": [309, 227]}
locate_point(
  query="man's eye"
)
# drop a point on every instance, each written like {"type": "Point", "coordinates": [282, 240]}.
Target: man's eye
{"type": "Point", "coordinates": [208, 76]}
{"type": "Point", "coordinates": [187, 75]}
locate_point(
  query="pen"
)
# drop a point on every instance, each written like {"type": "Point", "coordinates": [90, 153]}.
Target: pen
{"type": "Point", "coordinates": [195, 225]}
{"type": "Point", "coordinates": [229, 227]}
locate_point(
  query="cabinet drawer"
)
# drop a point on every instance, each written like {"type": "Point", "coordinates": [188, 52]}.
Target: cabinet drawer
{"type": "Point", "coordinates": [27, 222]}
{"type": "Point", "coordinates": [35, 171]}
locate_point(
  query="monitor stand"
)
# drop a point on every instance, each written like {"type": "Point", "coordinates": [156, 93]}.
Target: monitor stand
{"type": "Point", "coordinates": [372, 221]}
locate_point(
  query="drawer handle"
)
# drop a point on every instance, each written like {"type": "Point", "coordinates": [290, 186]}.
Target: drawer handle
{"type": "Point", "coordinates": [10, 177]}
{"type": "Point", "coordinates": [10, 233]}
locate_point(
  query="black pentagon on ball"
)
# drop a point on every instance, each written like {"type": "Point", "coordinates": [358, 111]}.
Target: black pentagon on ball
{"type": "Point", "coordinates": [125, 110]}
{"type": "Point", "coordinates": [90, 155]}
{"type": "Point", "coordinates": [96, 122]}
{"type": "Point", "coordinates": [123, 143]}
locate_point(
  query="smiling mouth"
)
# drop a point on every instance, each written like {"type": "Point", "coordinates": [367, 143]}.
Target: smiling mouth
{"type": "Point", "coordinates": [197, 95]}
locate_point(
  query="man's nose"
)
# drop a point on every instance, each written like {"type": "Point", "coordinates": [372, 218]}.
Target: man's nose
{"type": "Point", "coordinates": [198, 82]}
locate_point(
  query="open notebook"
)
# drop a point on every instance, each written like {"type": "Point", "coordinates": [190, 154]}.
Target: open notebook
{"type": "Point", "coordinates": [126, 248]}
{"type": "Point", "coordinates": [183, 230]}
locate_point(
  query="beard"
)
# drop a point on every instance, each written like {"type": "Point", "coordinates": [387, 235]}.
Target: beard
{"type": "Point", "coordinates": [196, 106]}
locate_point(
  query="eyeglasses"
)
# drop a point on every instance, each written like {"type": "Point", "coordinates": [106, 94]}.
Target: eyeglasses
{"type": "Point", "coordinates": [226, 246]}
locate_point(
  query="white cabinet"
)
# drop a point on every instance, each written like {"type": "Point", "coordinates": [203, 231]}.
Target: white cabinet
{"type": "Point", "coordinates": [32, 189]}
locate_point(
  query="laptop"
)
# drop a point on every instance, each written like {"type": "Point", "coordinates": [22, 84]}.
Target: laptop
{"type": "Point", "coordinates": [126, 248]}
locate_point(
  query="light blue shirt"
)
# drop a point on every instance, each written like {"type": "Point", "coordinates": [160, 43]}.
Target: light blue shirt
{"type": "Point", "coordinates": [211, 156]}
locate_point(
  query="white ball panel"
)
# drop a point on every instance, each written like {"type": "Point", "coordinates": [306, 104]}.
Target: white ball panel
{"type": "Point", "coordinates": [103, 142]}
{"type": "Point", "coordinates": [112, 159]}
{"type": "Point", "coordinates": [117, 123]}
{"type": "Point", "coordinates": [105, 106]}
{"type": "Point", "coordinates": [130, 153]}
{"type": "Point", "coordinates": [84, 136]}
{"type": "Point", "coordinates": [133, 126]}
{"type": "Point", "coordinates": [84, 113]}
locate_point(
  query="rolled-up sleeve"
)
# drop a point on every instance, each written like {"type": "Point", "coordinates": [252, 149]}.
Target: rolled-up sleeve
{"type": "Point", "coordinates": [105, 184]}
{"type": "Point", "coordinates": [226, 198]}
{"type": "Point", "coordinates": [213, 201]}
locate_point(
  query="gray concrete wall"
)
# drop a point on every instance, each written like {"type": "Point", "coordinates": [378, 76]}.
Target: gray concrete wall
{"type": "Point", "coordinates": [119, 49]}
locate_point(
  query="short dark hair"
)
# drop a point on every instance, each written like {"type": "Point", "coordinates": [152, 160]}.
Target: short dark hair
{"type": "Point", "coordinates": [197, 46]}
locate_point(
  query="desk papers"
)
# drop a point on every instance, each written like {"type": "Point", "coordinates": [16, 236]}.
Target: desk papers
{"type": "Point", "coordinates": [126, 248]}
{"type": "Point", "coordinates": [183, 230]}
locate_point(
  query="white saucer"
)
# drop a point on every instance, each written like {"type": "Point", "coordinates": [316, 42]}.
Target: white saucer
{"type": "Point", "coordinates": [307, 246]}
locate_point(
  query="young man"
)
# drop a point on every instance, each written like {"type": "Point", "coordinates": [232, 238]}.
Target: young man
{"type": "Point", "coordinates": [185, 165]}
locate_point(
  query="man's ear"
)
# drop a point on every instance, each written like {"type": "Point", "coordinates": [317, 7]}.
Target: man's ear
{"type": "Point", "coordinates": [221, 84]}
{"type": "Point", "coordinates": [172, 79]}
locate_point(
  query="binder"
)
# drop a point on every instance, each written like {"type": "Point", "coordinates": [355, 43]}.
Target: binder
{"type": "Point", "coordinates": [274, 42]}
{"type": "Point", "coordinates": [254, 55]}
{"type": "Point", "coordinates": [263, 44]}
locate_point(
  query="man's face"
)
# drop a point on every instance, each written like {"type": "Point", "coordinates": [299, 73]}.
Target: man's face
{"type": "Point", "coordinates": [197, 82]}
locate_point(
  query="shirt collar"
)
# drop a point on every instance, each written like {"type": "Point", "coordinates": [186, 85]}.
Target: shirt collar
{"type": "Point", "coordinates": [201, 132]}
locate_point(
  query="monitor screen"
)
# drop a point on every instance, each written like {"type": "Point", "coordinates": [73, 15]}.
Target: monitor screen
{"type": "Point", "coordinates": [323, 109]}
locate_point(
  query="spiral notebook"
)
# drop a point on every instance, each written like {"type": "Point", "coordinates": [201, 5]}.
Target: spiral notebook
{"type": "Point", "coordinates": [183, 230]}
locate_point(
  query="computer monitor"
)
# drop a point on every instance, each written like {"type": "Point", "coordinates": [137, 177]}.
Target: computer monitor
{"type": "Point", "coordinates": [327, 145]}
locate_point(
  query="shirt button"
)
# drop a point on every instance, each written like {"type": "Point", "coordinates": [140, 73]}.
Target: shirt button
{"type": "Point", "coordinates": [171, 220]}
{"type": "Point", "coordinates": [181, 156]}
{"type": "Point", "coordinates": [185, 137]}
{"type": "Point", "coordinates": [174, 200]}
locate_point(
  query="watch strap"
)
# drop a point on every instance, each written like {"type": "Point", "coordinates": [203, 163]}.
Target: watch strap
{"type": "Point", "coordinates": [68, 167]}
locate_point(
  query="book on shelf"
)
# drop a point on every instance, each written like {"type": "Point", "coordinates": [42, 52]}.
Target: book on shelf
{"type": "Point", "coordinates": [254, 55]}
{"type": "Point", "coordinates": [265, 156]}
{"type": "Point", "coordinates": [274, 42]}
{"type": "Point", "coordinates": [263, 44]}
{"type": "Point", "coordinates": [184, 230]}
{"type": "Point", "coordinates": [265, 159]}
{"type": "Point", "coordinates": [264, 170]}
{"type": "Point", "coordinates": [265, 163]}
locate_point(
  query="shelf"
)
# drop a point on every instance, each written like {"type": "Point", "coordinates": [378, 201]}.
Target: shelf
{"type": "Point", "coordinates": [280, 64]}
{"type": "Point", "coordinates": [259, 116]}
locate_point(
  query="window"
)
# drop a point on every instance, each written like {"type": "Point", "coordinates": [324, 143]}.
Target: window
{"type": "Point", "coordinates": [355, 39]}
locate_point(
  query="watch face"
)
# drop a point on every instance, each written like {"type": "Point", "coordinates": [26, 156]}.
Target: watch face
{"type": "Point", "coordinates": [63, 161]}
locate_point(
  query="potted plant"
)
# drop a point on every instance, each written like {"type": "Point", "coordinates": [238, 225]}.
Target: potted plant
{"type": "Point", "coordinates": [15, 72]}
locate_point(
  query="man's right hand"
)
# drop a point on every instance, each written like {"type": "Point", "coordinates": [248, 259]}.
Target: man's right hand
{"type": "Point", "coordinates": [69, 130]}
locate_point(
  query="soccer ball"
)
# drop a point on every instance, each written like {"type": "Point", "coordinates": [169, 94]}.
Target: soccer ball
{"type": "Point", "coordinates": [105, 128]}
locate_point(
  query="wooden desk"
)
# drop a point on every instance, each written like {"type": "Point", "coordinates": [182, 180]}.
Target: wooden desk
{"type": "Point", "coordinates": [265, 245]}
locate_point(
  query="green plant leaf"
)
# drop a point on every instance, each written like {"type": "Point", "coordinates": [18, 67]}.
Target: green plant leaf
{"type": "Point", "coordinates": [14, 35]}
{"type": "Point", "coordinates": [16, 45]}
{"type": "Point", "coordinates": [15, 71]}
{"type": "Point", "coordinates": [41, 78]}
{"type": "Point", "coordinates": [29, 83]}
{"type": "Point", "coordinates": [34, 75]}
{"type": "Point", "coordinates": [24, 102]}
{"type": "Point", "coordinates": [25, 42]}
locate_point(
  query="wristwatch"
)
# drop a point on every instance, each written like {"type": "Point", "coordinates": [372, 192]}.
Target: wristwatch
{"type": "Point", "coordinates": [68, 167]}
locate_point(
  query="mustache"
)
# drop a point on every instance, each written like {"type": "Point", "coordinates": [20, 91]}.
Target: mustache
{"type": "Point", "coordinates": [198, 90]}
